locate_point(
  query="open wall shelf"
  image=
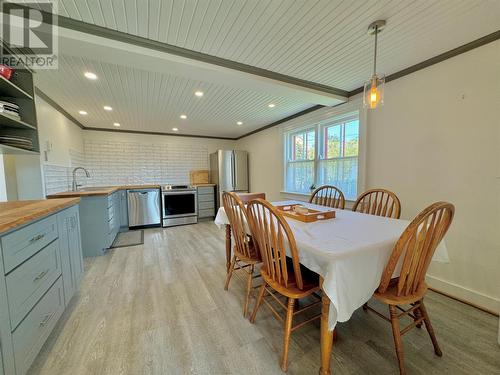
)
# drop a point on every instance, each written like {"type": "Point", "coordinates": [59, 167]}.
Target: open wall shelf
{"type": "Point", "coordinates": [19, 90]}
{"type": "Point", "coordinates": [8, 88]}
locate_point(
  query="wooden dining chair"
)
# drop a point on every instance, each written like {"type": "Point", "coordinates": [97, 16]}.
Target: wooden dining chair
{"type": "Point", "coordinates": [247, 197]}
{"type": "Point", "coordinates": [281, 274]}
{"type": "Point", "coordinates": [245, 254]}
{"type": "Point", "coordinates": [414, 251]}
{"type": "Point", "coordinates": [379, 202]}
{"type": "Point", "coordinates": [329, 196]}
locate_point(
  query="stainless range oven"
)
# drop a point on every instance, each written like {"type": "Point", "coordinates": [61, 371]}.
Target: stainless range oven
{"type": "Point", "coordinates": [179, 205]}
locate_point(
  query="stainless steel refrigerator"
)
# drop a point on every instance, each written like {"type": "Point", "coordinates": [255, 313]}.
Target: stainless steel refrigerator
{"type": "Point", "coordinates": [229, 171]}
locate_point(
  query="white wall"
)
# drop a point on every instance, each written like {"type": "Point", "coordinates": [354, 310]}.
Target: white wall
{"type": "Point", "coordinates": [56, 128]}
{"type": "Point", "coordinates": [265, 161]}
{"type": "Point", "coordinates": [436, 138]}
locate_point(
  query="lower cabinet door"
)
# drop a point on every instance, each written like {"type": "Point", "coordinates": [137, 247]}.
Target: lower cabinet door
{"type": "Point", "coordinates": [70, 243]}
{"type": "Point", "coordinates": [30, 335]}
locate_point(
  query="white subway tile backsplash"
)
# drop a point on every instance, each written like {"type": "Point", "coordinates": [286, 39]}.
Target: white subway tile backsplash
{"type": "Point", "coordinates": [117, 163]}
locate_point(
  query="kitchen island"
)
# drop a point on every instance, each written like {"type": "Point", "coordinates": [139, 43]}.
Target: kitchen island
{"type": "Point", "coordinates": [103, 214]}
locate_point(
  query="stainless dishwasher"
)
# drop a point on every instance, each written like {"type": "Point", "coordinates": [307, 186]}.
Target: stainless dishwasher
{"type": "Point", "coordinates": [143, 207]}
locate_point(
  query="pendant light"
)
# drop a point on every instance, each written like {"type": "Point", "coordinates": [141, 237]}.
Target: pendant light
{"type": "Point", "coordinates": [374, 87]}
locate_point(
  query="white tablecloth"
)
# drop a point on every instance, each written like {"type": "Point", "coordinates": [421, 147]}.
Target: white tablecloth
{"type": "Point", "coordinates": [350, 252]}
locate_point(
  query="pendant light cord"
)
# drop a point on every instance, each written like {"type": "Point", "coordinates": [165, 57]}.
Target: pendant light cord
{"type": "Point", "coordinates": [375, 54]}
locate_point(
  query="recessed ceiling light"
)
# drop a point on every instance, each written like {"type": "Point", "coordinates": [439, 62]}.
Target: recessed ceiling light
{"type": "Point", "coordinates": [199, 94]}
{"type": "Point", "coordinates": [175, 129]}
{"type": "Point", "coordinates": [117, 124]}
{"type": "Point", "coordinates": [90, 75]}
{"type": "Point", "coordinates": [83, 112]}
{"type": "Point", "coordinates": [271, 105]}
{"type": "Point", "coordinates": [183, 117]}
{"type": "Point", "coordinates": [239, 123]}
{"type": "Point", "coordinates": [107, 108]}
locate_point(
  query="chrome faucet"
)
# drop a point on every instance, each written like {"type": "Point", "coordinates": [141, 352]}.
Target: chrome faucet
{"type": "Point", "coordinates": [75, 185]}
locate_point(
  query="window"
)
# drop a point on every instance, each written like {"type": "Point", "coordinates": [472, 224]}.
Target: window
{"type": "Point", "coordinates": [300, 168]}
{"type": "Point", "coordinates": [324, 154]}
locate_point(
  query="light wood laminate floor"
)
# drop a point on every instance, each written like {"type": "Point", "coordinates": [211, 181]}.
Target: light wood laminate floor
{"type": "Point", "coordinates": [160, 308]}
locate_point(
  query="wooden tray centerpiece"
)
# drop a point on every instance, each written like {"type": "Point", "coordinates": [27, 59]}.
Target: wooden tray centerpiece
{"type": "Point", "coordinates": [304, 214]}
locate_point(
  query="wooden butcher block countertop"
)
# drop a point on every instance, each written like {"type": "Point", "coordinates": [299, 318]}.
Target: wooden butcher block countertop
{"type": "Point", "coordinates": [17, 213]}
{"type": "Point", "coordinates": [104, 190]}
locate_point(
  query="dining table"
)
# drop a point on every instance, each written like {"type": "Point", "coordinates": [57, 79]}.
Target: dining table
{"type": "Point", "coordinates": [349, 252]}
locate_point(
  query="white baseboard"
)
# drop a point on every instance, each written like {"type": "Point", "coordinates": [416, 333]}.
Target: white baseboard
{"type": "Point", "coordinates": [482, 300]}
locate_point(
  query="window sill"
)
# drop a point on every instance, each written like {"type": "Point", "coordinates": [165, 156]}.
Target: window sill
{"type": "Point", "coordinates": [349, 202]}
{"type": "Point", "coordinates": [295, 193]}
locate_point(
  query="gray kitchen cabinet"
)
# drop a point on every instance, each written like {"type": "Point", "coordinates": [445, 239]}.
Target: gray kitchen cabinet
{"type": "Point", "coordinates": [7, 352]}
{"type": "Point", "coordinates": [70, 245]}
{"type": "Point", "coordinates": [206, 202]}
{"type": "Point", "coordinates": [44, 270]}
{"type": "Point", "coordinates": [29, 337]}
{"type": "Point", "coordinates": [99, 223]}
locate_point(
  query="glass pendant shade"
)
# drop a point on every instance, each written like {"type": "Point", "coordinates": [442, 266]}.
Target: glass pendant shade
{"type": "Point", "coordinates": [374, 92]}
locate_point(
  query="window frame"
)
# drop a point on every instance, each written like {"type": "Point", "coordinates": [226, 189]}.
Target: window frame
{"type": "Point", "coordinates": [320, 126]}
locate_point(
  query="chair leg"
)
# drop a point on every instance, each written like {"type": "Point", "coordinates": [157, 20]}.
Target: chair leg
{"type": "Point", "coordinates": [288, 331]}
{"type": "Point", "coordinates": [258, 302]}
{"type": "Point", "coordinates": [249, 289]}
{"type": "Point", "coordinates": [428, 325]}
{"type": "Point", "coordinates": [396, 332]}
{"type": "Point", "coordinates": [230, 273]}
{"type": "Point", "coordinates": [418, 315]}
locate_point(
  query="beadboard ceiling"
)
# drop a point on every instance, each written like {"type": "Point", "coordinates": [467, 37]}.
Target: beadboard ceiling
{"type": "Point", "coordinates": [152, 102]}
{"type": "Point", "coordinates": [321, 41]}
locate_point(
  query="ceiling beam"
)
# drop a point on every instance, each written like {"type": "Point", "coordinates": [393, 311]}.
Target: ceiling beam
{"type": "Point", "coordinates": [120, 36]}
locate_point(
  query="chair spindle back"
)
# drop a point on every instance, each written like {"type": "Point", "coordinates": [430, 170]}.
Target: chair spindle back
{"type": "Point", "coordinates": [237, 216]}
{"type": "Point", "coordinates": [417, 245]}
{"type": "Point", "coordinates": [329, 196]}
{"type": "Point", "coordinates": [274, 237]}
{"type": "Point", "coordinates": [379, 202]}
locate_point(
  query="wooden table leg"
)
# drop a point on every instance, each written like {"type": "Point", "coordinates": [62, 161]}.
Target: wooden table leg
{"type": "Point", "coordinates": [326, 335]}
{"type": "Point", "coordinates": [228, 247]}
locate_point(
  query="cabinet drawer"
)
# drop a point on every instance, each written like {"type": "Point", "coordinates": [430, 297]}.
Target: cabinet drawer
{"type": "Point", "coordinates": [27, 283]}
{"type": "Point", "coordinates": [206, 213]}
{"type": "Point", "coordinates": [206, 190]}
{"type": "Point", "coordinates": [29, 337]}
{"type": "Point", "coordinates": [23, 243]}
{"type": "Point", "coordinates": [206, 205]}
{"type": "Point", "coordinates": [206, 198]}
